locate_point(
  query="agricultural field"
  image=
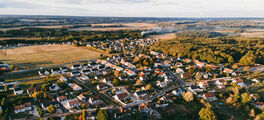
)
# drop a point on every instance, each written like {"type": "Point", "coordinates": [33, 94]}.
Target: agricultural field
{"type": "Point", "coordinates": [42, 55]}
{"type": "Point", "coordinates": [125, 26]}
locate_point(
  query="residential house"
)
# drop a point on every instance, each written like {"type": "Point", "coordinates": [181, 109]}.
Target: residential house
{"type": "Point", "coordinates": [239, 82]}
{"type": "Point", "coordinates": [255, 96]}
{"type": "Point", "coordinates": [63, 69]}
{"type": "Point", "coordinates": [46, 104]}
{"type": "Point", "coordinates": [220, 83]}
{"type": "Point", "coordinates": [75, 67]}
{"type": "Point", "coordinates": [86, 71]}
{"type": "Point", "coordinates": [121, 96]}
{"type": "Point", "coordinates": [210, 96]}
{"type": "Point", "coordinates": [81, 97]}
{"type": "Point", "coordinates": [259, 105]}
{"type": "Point", "coordinates": [199, 64]}
{"type": "Point", "coordinates": [75, 87]}
{"type": "Point", "coordinates": [55, 71]}
{"type": "Point", "coordinates": [119, 68]}
{"type": "Point", "coordinates": [129, 72]}
{"type": "Point", "coordinates": [227, 70]}
{"type": "Point", "coordinates": [54, 87]}
{"type": "Point", "coordinates": [73, 103]}
{"type": "Point", "coordinates": [19, 108]}
{"type": "Point", "coordinates": [61, 98]}
{"type": "Point", "coordinates": [17, 90]}
{"type": "Point", "coordinates": [179, 70]}
{"type": "Point", "coordinates": [94, 100]}
{"type": "Point", "coordinates": [203, 84]}
{"type": "Point", "coordinates": [101, 86]}
{"type": "Point", "coordinates": [63, 79]}
{"type": "Point", "coordinates": [141, 94]}
{"type": "Point", "coordinates": [75, 73]}
{"type": "Point", "coordinates": [195, 89]}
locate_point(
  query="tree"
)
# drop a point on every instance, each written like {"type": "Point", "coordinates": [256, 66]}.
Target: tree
{"type": "Point", "coordinates": [260, 116]}
{"type": "Point", "coordinates": [12, 67]}
{"type": "Point", "coordinates": [148, 87]}
{"type": "Point", "coordinates": [247, 59]}
{"type": "Point", "coordinates": [252, 113]}
{"type": "Point", "coordinates": [116, 73]}
{"type": "Point", "coordinates": [116, 82]}
{"type": "Point", "coordinates": [51, 109]}
{"type": "Point", "coordinates": [83, 114]}
{"type": "Point", "coordinates": [188, 96]}
{"type": "Point", "coordinates": [235, 66]}
{"type": "Point", "coordinates": [198, 76]}
{"type": "Point", "coordinates": [138, 81]}
{"type": "Point", "coordinates": [230, 60]}
{"type": "Point", "coordinates": [207, 114]}
{"type": "Point", "coordinates": [102, 115]}
{"type": "Point", "coordinates": [40, 111]}
{"type": "Point", "coordinates": [6, 88]}
{"type": "Point", "coordinates": [246, 98]}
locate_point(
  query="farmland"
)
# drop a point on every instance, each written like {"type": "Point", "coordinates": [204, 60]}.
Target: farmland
{"type": "Point", "coordinates": [37, 56]}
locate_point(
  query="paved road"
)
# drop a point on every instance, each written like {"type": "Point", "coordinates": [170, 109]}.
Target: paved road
{"type": "Point", "coordinates": [174, 77]}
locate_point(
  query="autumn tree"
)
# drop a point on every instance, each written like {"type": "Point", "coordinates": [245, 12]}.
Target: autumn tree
{"type": "Point", "coordinates": [116, 82]}
{"type": "Point", "coordinates": [102, 115]}
{"type": "Point", "coordinates": [188, 96]}
{"type": "Point", "coordinates": [83, 114]}
{"type": "Point", "coordinates": [207, 114]}
{"type": "Point", "coordinates": [252, 113]}
{"type": "Point", "coordinates": [148, 87]}
{"type": "Point", "coordinates": [260, 116]}
{"type": "Point", "coordinates": [51, 109]}
{"type": "Point", "coordinates": [246, 98]}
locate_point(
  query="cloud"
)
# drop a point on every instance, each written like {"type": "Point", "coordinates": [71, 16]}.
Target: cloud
{"type": "Point", "coordinates": [141, 8]}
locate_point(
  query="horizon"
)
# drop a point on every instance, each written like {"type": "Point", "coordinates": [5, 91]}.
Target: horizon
{"type": "Point", "coordinates": [136, 8]}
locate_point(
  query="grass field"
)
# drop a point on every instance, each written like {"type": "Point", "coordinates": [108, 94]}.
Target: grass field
{"type": "Point", "coordinates": [42, 55]}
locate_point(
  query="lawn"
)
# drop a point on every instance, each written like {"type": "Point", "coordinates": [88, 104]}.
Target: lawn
{"type": "Point", "coordinates": [24, 76]}
{"type": "Point", "coordinates": [43, 55]}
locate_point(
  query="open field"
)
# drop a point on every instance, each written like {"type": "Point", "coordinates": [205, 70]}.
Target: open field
{"type": "Point", "coordinates": [37, 56]}
{"type": "Point", "coordinates": [163, 36]}
{"type": "Point", "coordinates": [126, 26]}
{"type": "Point", "coordinates": [17, 28]}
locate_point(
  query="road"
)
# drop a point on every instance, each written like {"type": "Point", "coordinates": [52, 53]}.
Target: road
{"type": "Point", "coordinates": [173, 76]}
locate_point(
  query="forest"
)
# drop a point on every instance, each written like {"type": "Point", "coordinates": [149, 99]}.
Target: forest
{"type": "Point", "coordinates": [63, 35]}
{"type": "Point", "coordinates": [225, 50]}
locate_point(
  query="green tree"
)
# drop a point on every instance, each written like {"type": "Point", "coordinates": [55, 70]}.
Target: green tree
{"type": "Point", "coordinates": [102, 115]}
{"type": "Point", "coordinates": [207, 114]}
{"type": "Point", "coordinates": [246, 98]}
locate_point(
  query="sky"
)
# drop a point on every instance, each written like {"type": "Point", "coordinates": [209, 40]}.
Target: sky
{"type": "Point", "coordinates": [135, 8]}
